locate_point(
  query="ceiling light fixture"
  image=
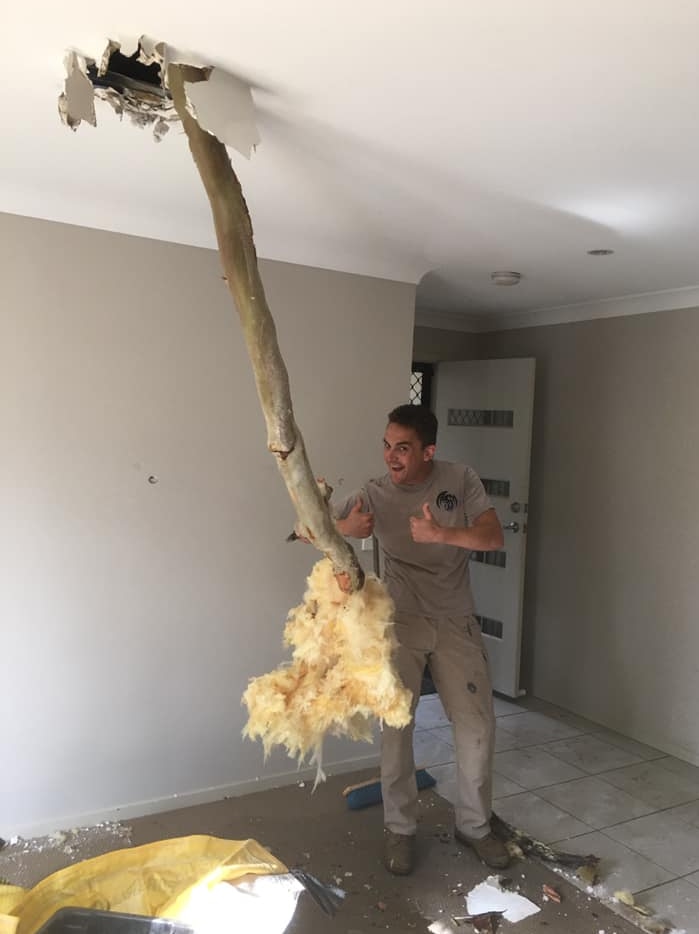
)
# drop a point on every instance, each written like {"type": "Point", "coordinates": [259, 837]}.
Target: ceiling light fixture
{"type": "Point", "coordinates": [505, 277]}
{"type": "Point", "coordinates": [600, 252]}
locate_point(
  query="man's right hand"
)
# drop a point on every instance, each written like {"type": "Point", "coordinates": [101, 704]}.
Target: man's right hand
{"type": "Point", "coordinates": [357, 524]}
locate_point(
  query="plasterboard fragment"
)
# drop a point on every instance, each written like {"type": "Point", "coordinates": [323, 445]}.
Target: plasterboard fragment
{"type": "Point", "coordinates": [77, 102]}
{"type": "Point", "coordinates": [112, 46]}
{"type": "Point", "coordinates": [223, 106]}
{"type": "Point", "coordinates": [152, 51]}
{"type": "Point", "coordinates": [489, 897]}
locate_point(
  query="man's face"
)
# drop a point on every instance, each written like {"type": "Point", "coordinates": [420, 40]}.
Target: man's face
{"type": "Point", "coordinates": [406, 458]}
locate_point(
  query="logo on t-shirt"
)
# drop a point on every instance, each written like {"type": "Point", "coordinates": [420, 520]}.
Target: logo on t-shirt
{"type": "Point", "coordinates": [446, 500]}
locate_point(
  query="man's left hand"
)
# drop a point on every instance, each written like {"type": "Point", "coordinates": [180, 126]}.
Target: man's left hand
{"type": "Point", "coordinates": [425, 528]}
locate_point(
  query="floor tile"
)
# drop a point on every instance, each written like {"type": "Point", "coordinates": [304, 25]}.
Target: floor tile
{"type": "Point", "coordinates": [429, 750]}
{"type": "Point", "coordinates": [595, 802]}
{"type": "Point", "coordinates": [502, 787]}
{"type": "Point", "coordinates": [620, 867]}
{"type": "Point", "coordinates": [534, 769]}
{"type": "Point", "coordinates": [505, 740]}
{"type": "Point", "coordinates": [430, 713]}
{"type": "Point", "coordinates": [534, 728]}
{"type": "Point", "coordinates": [630, 745]}
{"type": "Point", "coordinates": [504, 707]}
{"type": "Point", "coordinates": [581, 724]}
{"type": "Point", "coordinates": [656, 786]}
{"type": "Point", "coordinates": [675, 902]}
{"type": "Point", "coordinates": [694, 879]}
{"type": "Point", "coordinates": [679, 767]}
{"type": "Point", "coordinates": [667, 841]}
{"type": "Point", "coordinates": [688, 813]}
{"type": "Point", "coordinates": [537, 817]}
{"type": "Point", "coordinates": [590, 754]}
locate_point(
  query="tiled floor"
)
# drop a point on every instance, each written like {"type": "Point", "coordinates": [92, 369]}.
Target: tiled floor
{"type": "Point", "coordinates": [570, 782]}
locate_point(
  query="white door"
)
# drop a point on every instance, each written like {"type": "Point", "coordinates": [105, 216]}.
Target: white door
{"type": "Point", "coordinates": [485, 409]}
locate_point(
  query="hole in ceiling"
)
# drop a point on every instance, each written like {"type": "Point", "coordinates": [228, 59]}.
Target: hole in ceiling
{"type": "Point", "coordinates": [127, 73]}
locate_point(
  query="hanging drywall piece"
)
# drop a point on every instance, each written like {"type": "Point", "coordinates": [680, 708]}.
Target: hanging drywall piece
{"type": "Point", "coordinates": [223, 106]}
{"type": "Point", "coordinates": [77, 103]}
{"type": "Point", "coordinates": [133, 81]}
{"type": "Point", "coordinates": [222, 103]}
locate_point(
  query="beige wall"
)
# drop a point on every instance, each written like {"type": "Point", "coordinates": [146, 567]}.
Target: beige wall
{"type": "Point", "coordinates": [434, 344]}
{"type": "Point", "coordinates": [133, 613]}
{"type": "Point", "coordinates": [612, 592]}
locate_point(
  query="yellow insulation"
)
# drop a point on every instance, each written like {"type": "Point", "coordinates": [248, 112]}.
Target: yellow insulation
{"type": "Point", "coordinates": [341, 675]}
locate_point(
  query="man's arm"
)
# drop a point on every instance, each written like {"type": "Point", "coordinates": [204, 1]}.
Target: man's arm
{"type": "Point", "coordinates": [484, 535]}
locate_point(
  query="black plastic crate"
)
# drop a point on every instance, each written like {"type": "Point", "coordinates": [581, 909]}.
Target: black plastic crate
{"type": "Point", "coordinates": [93, 921]}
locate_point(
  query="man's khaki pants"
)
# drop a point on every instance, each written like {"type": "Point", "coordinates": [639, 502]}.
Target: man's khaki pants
{"type": "Point", "coordinates": [459, 666]}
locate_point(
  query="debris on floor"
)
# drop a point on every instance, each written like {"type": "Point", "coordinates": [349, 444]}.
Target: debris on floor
{"type": "Point", "coordinates": [551, 894]}
{"type": "Point", "coordinates": [579, 870]}
{"type": "Point", "coordinates": [24, 861]}
{"type": "Point", "coordinates": [626, 898]}
{"type": "Point", "coordinates": [623, 903]}
{"type": "Point", "coordinates": [520, 843]}
{"type": "Point", "coordinates": [490, 896]}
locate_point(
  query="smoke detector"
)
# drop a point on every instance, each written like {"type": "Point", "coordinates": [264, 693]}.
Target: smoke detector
{"type": "Point", "coordinates": [505, 277]}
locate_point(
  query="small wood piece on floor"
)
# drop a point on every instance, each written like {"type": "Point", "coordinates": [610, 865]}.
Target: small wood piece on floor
{"type": "Point", "coordinates": [551, 894]}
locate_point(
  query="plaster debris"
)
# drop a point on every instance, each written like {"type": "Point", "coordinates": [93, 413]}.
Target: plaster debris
{"type": "Point", "coordinates": [24, 861]}
{"type": "Point", "coordinates": [489, 896]}
{"type": "Point", "coordinates": [441, 927]}
{"type": "Point", "coordinates": [626, 898]}
{"type": "Point", "coordinates": [136, 84]}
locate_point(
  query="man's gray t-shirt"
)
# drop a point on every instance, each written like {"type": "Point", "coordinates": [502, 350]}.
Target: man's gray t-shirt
{"type": "Point", "coordinates": [426, 579]}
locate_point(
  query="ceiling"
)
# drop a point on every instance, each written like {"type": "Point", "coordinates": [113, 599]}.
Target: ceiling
{"type": "Point", "coordinates": [431, 141]}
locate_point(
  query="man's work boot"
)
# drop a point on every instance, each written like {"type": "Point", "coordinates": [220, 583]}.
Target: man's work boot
{"type": "Point", "coordinates": [489, 849]}
{"type": "Point", "coordinates": [398, 852]}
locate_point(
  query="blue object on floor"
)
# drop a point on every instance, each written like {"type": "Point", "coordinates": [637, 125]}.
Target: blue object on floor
{"type": "Point", "coordinates": [369, 793]}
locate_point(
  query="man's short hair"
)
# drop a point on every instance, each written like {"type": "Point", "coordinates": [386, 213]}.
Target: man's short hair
{"type": "Point", "coordinates": [418, 417]}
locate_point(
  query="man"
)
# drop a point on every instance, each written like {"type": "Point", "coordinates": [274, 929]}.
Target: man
{"type": "Point", "coordinates": [428, 516]}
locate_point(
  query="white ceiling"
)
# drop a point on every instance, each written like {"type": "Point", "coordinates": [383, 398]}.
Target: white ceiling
{"type": "Point", "coordinates": [421, 140]}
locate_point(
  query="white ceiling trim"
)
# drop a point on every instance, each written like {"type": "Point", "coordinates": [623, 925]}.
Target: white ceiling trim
{"type": "Point", "coordinates": [645, 303]}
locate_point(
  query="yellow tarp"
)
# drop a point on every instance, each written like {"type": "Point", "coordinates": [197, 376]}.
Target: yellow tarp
{"type": "Point", "coordinates": [157, 879]}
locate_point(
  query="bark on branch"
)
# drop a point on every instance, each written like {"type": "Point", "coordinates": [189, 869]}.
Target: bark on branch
{"type": "Point", "coordinates": [239, 260]}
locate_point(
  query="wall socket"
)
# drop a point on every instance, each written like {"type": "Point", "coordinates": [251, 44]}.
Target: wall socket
{"type": "Point", "coordinates": [367, 544]}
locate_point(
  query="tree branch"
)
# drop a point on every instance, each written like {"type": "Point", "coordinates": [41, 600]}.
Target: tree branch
{"type": "Point", "coordinates": [239, 260]}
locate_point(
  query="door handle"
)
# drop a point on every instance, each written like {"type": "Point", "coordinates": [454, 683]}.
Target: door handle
{"type": "Point", "coordinates": [511, 527]}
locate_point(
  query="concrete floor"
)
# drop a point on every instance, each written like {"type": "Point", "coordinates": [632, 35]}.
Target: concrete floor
{"type": "Point", "coordinates": [319, 833]}
{"type": "Point", "coordinates": [562, 779]}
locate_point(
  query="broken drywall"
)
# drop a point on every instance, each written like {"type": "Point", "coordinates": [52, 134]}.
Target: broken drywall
{"type": "Point", "coordinates": [77, 103]}
{"type": "Point", "coordinates": [134, 82]}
